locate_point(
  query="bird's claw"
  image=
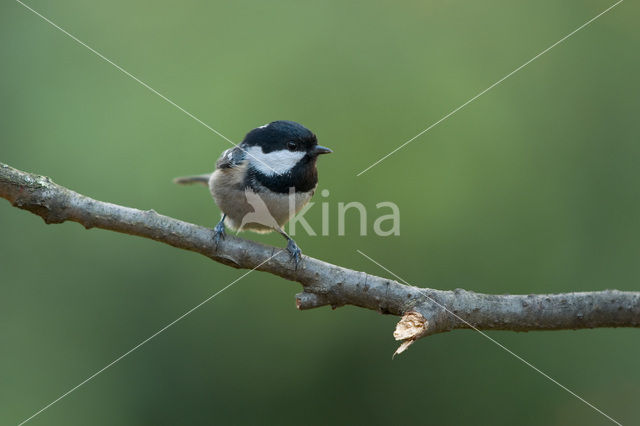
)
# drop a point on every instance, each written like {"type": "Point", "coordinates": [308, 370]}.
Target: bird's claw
{"type": "Point", "coordinates": [295, 253]}
{"type": "Point", "coordinates": [218, 233]}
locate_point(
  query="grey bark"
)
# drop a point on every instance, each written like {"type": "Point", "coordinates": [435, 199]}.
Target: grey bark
{"type": "Point", "coordinates": [424, 311]}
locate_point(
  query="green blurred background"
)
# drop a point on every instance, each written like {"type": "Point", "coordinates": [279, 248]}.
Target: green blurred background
{"type": "Point", "coordinates": [531, 188]}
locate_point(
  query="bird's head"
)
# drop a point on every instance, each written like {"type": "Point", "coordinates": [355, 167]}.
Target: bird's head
{"type": "Point", "coordinates": [276, 148]}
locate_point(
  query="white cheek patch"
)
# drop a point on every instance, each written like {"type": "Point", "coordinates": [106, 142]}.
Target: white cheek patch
{"type": "Point", "coordinates": [274, 162]}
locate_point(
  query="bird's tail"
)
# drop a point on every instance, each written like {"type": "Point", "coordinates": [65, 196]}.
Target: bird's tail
{"type": "Point", "coordinates": [188, 180]}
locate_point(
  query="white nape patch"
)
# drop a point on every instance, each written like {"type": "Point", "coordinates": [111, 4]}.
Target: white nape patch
{"type": "Point", "coordinates": [263, 126]}
{"type": "Point", "coordinates": [274, 162]}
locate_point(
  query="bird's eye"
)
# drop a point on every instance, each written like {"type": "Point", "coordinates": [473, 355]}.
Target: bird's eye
{"type": "Point", "coordinates": [291, 145]}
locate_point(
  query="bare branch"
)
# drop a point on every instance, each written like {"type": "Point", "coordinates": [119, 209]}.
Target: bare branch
{"type": "Point", "coordinates": [422, 309]}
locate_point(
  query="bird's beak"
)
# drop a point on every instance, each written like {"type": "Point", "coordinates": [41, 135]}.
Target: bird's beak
{"type": "Point", "coordinates": [319, 149]}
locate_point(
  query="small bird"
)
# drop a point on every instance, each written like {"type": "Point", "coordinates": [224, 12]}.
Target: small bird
{"type": "Point", "coordinates": [265, 180]}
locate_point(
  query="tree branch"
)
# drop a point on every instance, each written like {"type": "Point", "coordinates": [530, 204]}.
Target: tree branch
{"type": "Point", "coordinates": [424, 311]}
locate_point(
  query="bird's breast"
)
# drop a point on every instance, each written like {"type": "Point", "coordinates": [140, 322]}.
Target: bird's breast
{"type": "Point", "coordinates": [253, 207]}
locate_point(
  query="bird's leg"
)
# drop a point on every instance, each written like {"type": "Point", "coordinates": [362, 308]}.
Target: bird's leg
{"type": "Point", "coordinates": [292, 248]}
{"type": "Point", "coordinates": [218, 231]}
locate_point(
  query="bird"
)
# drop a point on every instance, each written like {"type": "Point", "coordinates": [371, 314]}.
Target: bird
{"type": "Point", "coordinates": [261, 183]}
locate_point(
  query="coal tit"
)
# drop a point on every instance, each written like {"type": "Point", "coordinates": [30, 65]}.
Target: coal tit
{"type": "Point", "coordinates": [265, 180]}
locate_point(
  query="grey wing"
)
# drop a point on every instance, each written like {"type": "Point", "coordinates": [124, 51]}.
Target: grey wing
{"type": "Point", "coordinates": [232, 157]}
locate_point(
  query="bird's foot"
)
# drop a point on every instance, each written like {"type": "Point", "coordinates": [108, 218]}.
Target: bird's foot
{"type": "Point", "coordinates": [294, 252]}
{"type": "Point", "coordinates": [218, 233]}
